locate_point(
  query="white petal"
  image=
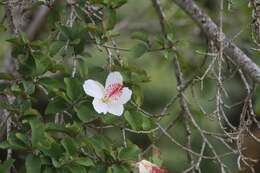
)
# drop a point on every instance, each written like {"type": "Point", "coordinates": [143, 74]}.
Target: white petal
{"type": "Point", "coordinates": [143, 169]}
{"type": "Point", "coordinates": [145, 166]}
{"type": "Point", "coordinates": [100, 106]}
{"type": "Point", "coordinates": [124, 97]}
{"type": "Point", "coordinates": [116, 109]}
{"type": "Point", "coordinates": [93, 88]}
{"type": "Point", "coordinates": [148, 167]}
{"type": "Point", "coordinates": [113, 78]}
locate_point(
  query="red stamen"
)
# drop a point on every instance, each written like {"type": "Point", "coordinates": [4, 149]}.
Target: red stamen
{"type": "Point", "coordinates": [114, 90]}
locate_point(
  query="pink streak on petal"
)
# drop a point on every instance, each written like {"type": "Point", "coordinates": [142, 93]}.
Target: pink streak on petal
{"type": "Point", "coordinates": [157, 169]}
{"type": "Point", "coordinates": [114, 90]}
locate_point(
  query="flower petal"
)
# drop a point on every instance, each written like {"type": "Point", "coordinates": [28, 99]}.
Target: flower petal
{"type": "Point", "coordinates": [124, 97]}
{"type": "Point", "coordinates": [100, 106]}
{"type": "Point", "coordinates": [116, 109]}
{"type": "Point", "coordinates": [113, 78]}
{"type": "Point", "coordinates": [148, 167]}
{"type": "Point", "coordinates": [143, 169]}
{"type": "Point", "coordinates": [93, 88]}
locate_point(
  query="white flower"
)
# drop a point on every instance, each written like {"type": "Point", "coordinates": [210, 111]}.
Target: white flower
{"type": "Point", "coordinates": [111, 98]}
{"type": "Point", "coordinates": [145, 166]}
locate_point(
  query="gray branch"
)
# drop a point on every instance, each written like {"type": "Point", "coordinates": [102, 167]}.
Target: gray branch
{"type": "Point", "coordinates": [212, 32]}
{"type": "Point", "coordinates": [37, 22]}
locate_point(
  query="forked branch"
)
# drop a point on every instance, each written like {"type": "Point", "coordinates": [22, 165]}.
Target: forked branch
{"type": "Point", "coordinates": [212, 32]}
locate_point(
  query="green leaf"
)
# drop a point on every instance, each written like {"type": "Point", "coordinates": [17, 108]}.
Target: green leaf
{"type": "Point", "coordinates": [24, 37]}
{"type": "Point", "coordinates": [75, 42]}
{"type": "Point", "coordinates": [60, 67]}
{"type": "Point", "coordinates": [115, 3]}
{"type": "Point", "coordinates": [23, 104]}
{"type": "Point", "coordinates": [110, 34]}
{"type": "Point", "coordinates": [33, 164]}
{"type": "Point", "coordinates": [140, 36]}
{"type": "Point", "coordinates": [110, 19]}
{"type": "Point", "coordinates": [4, 145]}
{"type": "Point", "coordinates": [55, 47]}
{"type": "Point", "coordinates": [3, 86]}
{"type": "Point", "coordinates": [130, 153]}
{"type": "Point", "coordinates": [148, 123]}
{"type": "Point", "coordinates": [83, 68]}
{"type": "Point", "coordinates": [119, 169]}
{"type": "Point", "coordinates": [6, 76]}
{"type": "Point", "coordinates": [139, 50]}
{"type": "Point", "coordinates": [4, 167]}
{"type": "Point", "coordinates": [14, 142]}
{"type": "Point", "coordinates": [75, 34]}
{"type": "Point", "coordinates": [27, 65]}
{"type": "Point", "coordinates": [54, 151]}
{"type": "Point", "coordinates": [69, 145]}
{"type": "Point", "coordinates": [67, 32]}
{"type": "Point", "coordinates": [85, 113]}
{"type": "Point", "coordinates": [74, 88]}
{"type": "Point", "coordinates": [140, 79]}
{"type": "Point", "coordinates": [42, 64]}
{"type": "Point", "coordinates": [111, 119]}
{"type": "Point", "coordinates": [169, 55]}
{"type": "Point", "coordinates": [48, 170]}
{"type": "Point", "coordinates": [17, 41]}
{"type": "Point", "coordinates": [69, 129]}
{"type": "Point", "coordinates": [56, 105]}
{"type": "Point", "coordinates": [31, 113]}
{"type": "Point", "coordinates": [52, 83]}
{"type": "Point", "coordinates": [56, 163]}
{"type": "Point", "coordinates": [23, 137]}
{"type": "Point", "coordinates": [98, 169]}
{"type": "Point", "coordinates": [7, 106]}
{"type": "Point", "coordinates": [92, 28]}
{"type": "Point", "coordinates": [37, 132]}
{"type": "Point", "coordinates": [84, 161]}
{"type": "Point", "coordinates": [77, 169]}
{"type": "Point", "coordinates": [133, 120]}
{"type": "Point", "coordinates": [138, 95]}
{"type": "Point", "coordinates": [100, 142]}
{"type": "Point", "coordinates": [29, 87]}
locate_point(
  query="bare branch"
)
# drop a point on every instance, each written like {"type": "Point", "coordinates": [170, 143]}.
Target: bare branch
{"type": "Point", "coordinates": [212, 32]}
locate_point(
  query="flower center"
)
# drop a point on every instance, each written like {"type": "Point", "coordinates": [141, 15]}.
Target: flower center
{"type": "Point", "coordinates": [113, 91]}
